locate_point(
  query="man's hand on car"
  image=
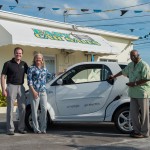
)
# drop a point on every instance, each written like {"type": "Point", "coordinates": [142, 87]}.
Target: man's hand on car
{"type": "Point", "coordinates": [111, 77]}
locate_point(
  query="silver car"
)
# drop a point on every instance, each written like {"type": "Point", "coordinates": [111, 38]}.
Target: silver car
{"type": "Point", "coordinates": [84, 94]}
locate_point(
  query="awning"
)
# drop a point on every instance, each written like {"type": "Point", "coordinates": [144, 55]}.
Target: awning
{"type": "Point", "coordinates": [33, 35]}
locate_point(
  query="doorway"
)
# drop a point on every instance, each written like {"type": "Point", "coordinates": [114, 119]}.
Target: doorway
{"type": "Point", "coordinates": [50, 63]}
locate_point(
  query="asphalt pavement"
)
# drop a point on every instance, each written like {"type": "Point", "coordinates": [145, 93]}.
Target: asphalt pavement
{"type": "Point", "coordinates": [71, 137]}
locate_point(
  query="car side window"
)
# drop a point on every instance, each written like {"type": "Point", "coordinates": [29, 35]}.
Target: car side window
{"type": "Point", "coordinates": [87, 73]}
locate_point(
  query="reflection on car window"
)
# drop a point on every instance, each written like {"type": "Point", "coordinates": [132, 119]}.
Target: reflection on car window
{"type": "Point", "coordinates": [87, 73]}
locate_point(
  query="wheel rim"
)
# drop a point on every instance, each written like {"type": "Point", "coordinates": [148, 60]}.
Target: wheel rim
{"type": "Point", "coordinates": [30, 121]}
{"type": "Point", "coordinates": [124, 121]}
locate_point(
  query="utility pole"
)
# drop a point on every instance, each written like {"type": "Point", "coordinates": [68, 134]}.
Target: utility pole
{"type": "Point", "coordinates": [65, 14]}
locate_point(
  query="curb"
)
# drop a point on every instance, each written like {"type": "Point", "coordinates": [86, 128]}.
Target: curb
{"type": "Point", "coordinates": [3, 109]}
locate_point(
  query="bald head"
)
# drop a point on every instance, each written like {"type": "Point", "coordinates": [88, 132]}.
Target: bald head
{"type": "Point", "coordinates": [134, 55]}
{"type": "Point", "coordinates": [134, 52]}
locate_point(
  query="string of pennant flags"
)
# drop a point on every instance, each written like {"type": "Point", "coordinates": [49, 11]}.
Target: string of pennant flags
{"type": "Point", "coordinates": [146, 36]}
{"type": "Point", "coordinates": [66, 10]}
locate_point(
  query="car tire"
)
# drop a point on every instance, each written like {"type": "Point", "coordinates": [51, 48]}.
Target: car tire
{"type": "Point", "coordinates": [28, 119]}
{"type": "Point", "coordinates": [122, 120]}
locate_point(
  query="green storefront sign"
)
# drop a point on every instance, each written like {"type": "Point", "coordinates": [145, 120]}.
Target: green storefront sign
{"type": "Point", "coordinates": [74, 38]}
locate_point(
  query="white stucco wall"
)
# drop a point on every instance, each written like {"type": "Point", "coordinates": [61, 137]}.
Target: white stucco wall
{"type": "Point", "coordinates": [125, 47]}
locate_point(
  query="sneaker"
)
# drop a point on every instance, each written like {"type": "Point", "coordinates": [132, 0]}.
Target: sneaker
{"type": "Point", "coordinates": [139, 136]}
{"type": "Point", "coordinates": [43, 132]}
{"type": "Point", "coordinates": [37, 132]}
{"type": "Point", "coordinates": [22, 132]}
{"type": "Point", "coordinates": [10, 133]}
{"type": "Point", "coordinates": [132, 134]}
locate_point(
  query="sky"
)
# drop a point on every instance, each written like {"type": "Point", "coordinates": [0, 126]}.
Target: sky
{"type": "Point", "coordinates": [99, 14]}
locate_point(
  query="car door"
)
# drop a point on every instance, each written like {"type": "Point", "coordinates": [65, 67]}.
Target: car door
{"type": "Point", "coordinates": [84, 90]}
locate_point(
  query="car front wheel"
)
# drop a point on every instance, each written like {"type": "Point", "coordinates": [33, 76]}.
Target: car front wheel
{"type": "Point", "coordinates": [122, 120]}
{"type": "Point", "coordinates": [28, 119]}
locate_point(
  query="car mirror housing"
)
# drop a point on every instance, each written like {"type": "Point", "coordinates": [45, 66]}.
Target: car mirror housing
{"type": "Point", "coordinates": [59, 81]}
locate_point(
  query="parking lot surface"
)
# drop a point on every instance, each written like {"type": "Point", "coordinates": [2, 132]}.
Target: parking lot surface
{"type": "Point", "coordinates": [71, 137]}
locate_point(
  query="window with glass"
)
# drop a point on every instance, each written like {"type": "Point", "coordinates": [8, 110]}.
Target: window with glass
{"type": "Point", "coordinates": [86, 73]}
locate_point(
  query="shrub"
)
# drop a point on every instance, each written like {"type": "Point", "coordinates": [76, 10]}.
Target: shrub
{"type": "Point", "coordinates": [3, 101]}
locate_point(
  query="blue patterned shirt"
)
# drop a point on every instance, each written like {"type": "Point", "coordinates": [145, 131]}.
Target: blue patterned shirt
{"type": "Point", "coordinates": [38, 77]}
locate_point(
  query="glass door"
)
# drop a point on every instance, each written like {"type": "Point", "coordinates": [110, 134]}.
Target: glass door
{"type": "Point", "coordinates": [50, 64]}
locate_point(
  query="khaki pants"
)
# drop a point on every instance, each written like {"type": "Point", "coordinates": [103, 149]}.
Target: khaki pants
{"type": "Point", "coordinates": [139, 111]}
{"type": "Point", "coordinates": [15, 92]}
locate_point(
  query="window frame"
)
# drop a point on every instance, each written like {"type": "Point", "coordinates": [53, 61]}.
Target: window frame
{"type": "Point", "coordinates": [72, 72]}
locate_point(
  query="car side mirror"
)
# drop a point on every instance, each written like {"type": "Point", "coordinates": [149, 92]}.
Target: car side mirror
{"type": "Point", "coordinates": [59, 81]}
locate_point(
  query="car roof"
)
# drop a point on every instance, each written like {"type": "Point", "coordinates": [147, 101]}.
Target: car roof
{"type": "Point", "coordinates": [98, 62]}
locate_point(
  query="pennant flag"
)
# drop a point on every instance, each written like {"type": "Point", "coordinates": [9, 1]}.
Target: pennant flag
{"type": "Point", "coordinates": [84, 10]}
{"type": "Point", "coordinates": [55, 8]}
{"type": "Point", "coordinates": [131, 30]}
{"type": "Point", "coordinates": [40, 8]}
{"type": "Point", "coordinates": [71, 9]}
{"type": "Point", "coordinates": [123, 12]}
{"type": "Point", "coordinates": [97, 11]}
{"type": "Point", "coordinates": [17, 1]}
{"type": "Point", "coordinates": [138, 11]}
{"type": "Point", "coordinates": [12, 7]}
{"type": "Point", "coordinates": [1, 6]}
{"type": "Point", "coordinates": [145, 36]}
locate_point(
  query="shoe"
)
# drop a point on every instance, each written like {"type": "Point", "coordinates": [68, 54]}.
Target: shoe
{"type": "Point", "coordinates": [22, 132]}
{"type": "Point", "coordinates": [43, 132]}
{"type": "Point", "coordinates": [132, 134]}
{"type": "Point", "coordinates": [137, 135]}
{"type": "Point", "coordinates": [10, 133]}
{"type": "Point", "coordinates": [37, 132]}
{"type": "Point", "coordinates": [145, 136]}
